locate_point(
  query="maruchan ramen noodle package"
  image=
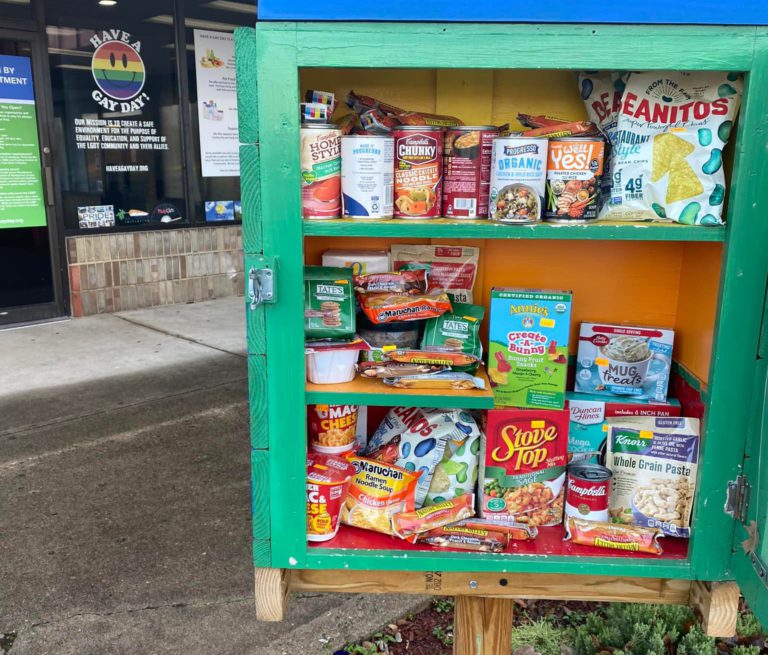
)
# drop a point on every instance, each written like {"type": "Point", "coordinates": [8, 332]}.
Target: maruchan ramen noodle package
{"type": "Point", "coordinates": [395, 307]}
{"type": "Point", "coordinates": [667, 130]}
{"type": "Point", "coordinates": [452, 268]}
{"type": "Point", "coordinates": [528, 347]}
{"type": "Point", "coordinates": [654, 462]}
{"type": "Point", "coordinates": [329, 302]}
{"type": "Point", "coordinates": [376, 492]}
{"type": "Point", "coordinates": [457, 330]}
{"type": "Point", "coordinates": [524, 459]}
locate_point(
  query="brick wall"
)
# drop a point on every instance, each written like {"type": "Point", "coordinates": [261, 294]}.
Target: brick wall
{"type": "Point", "coordinates": [114, 272]}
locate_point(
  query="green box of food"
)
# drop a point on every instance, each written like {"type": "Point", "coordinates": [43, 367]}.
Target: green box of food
{"type": "Point", "coordinates": [528, 347]}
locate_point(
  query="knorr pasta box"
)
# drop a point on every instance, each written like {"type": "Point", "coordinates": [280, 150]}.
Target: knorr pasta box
{"type": "Point", "coordinates": [528, 347]}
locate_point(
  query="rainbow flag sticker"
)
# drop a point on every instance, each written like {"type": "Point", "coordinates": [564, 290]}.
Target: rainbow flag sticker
{"type": "Point", "coordinates": [118, 70]}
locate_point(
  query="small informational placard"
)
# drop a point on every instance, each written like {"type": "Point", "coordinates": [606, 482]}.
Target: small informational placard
{"type": "Point", "coordinates": [217, 103]}
{"type": "Point", "coordinates": [22, 203]}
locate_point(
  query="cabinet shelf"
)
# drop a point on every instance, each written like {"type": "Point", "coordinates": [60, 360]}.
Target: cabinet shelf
{"type": "Point", "coordinates": [444, 228]}
{"type": "Point", "coordinates": [366, 391]}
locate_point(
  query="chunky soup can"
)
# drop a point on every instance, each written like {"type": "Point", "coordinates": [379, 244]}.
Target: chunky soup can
{"type": "Point", "coordinates": [467, 170]}
{"type": "Point", "coordinates": [367, 175]}
{"type": "Point", "coordinates": [418, 171]}
{"type": "Point", "coordinates": [574, 169]}
{"type": "Point", "coordinates": [518, 178]}
{"type": "Point", "coordinates": [320, 170]}
{"type": "Point", "coordinates": [586, 495]}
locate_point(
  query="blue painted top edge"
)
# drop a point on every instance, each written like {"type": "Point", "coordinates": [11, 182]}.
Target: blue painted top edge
{"type": "Point", "coordinates": [653, 12]}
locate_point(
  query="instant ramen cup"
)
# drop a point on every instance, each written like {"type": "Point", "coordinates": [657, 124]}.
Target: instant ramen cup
{"type": "Point", "coordinates": [327, 483]}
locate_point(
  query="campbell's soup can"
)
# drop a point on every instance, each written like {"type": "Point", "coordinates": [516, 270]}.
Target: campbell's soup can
{"type": "Point", "coordinates": [328, 479]}
{"type": "Point", "coordinates": [586, 495]}
{"type": "Point", "coordinates": [518, 178]}
{"type": "Point", "coordinates": [320, 170]}
{"type": "Point", "coordinates": [367, 176]}
{"type": "Point", "coordinates": [467, 170]}
{"type": "Point", "coordinates": [332, 428]}
{"type": "Point", "coordinates": [418, 171]}
{"type": "Point", "coordinates": [574, 169]}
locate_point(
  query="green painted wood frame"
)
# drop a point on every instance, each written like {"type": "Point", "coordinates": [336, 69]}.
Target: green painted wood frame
{"type": "Point", "coordinates": [283, 48]}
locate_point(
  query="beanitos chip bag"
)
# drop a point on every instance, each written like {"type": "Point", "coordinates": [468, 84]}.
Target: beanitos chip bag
{"type": "Point", "coordinates": [667, 131]}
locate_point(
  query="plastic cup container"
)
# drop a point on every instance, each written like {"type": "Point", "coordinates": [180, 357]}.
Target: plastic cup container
{"type": "Point", "coordinates": [331, 366]}
{"type": "Point", "coordinates": [327, 483]}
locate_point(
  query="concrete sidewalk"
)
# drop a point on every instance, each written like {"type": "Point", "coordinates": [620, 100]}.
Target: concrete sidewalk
{"type": "Point", "coordinates": [124, 479]}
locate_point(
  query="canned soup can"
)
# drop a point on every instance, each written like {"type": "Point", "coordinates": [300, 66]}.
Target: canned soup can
{"type": "Point", "coordinates": [467, 170]}
{"type": "Point", "coordinates": [518, 179]}
{"type": "Point", "coordinates": [574, 169]}
{"type": "Point", "coordinates": [418, 171]}
{"type": "Point", "coordinates": [586, 496]}
{"type": "Point", "coordinates": [320, 170]}
{"type": "Point", "coordinates": [367, 176]}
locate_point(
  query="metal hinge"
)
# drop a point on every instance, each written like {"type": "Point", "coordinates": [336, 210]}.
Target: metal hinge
{"type": "Point", "coordinates": [737, 501]}
{"type": "Point", "coordinates": [261, 282]}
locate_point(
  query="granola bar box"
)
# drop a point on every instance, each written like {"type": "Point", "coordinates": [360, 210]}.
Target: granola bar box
{"type": "Point", "coordinates": [523, 458]}
{"type": "Point", "coordinates": [528, 347]}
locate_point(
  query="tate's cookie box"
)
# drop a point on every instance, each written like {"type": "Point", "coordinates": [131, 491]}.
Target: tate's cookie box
{"type": "Point", "coordinates": [528, 347]}
{"type": "Point", "coordinates": [523, 461]}
{"type": "Point", "coordinates": [588, 428]}
{"type": "Point", "coordinates": [624, 360]}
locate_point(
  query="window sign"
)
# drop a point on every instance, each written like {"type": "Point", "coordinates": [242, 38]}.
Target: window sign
{"type": "Point", "coordinates": [22, 203]}
{"type": "Point", "coordinates": [217, 104]}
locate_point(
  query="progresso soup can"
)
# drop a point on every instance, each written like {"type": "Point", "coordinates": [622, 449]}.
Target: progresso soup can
{"type": "Point", "coordinates": [418, 171]}
{"type": "Point", "coordinates": [367, 176]}
{"type": "Point", "coordinates": [467, 170]}
{"type": "Point", "coordinates": [320, 170]}
{"type": "Point", "coordinates": [574, 169]}
{"type": "Point", "coordinates": [518, 177]}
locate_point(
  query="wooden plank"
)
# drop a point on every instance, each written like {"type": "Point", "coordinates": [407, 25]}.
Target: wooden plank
{"type": "Point", "coordinates": [270, 591]}
{"type": "Point", "coordinates": [718, 604]}
{"type": "Point", "coordinates": [501, 585]}
{"type": "Point", "coordinates": [573, 47]}
{"type": "Point", "coordinates": [247, 90]}
{"type": "Point", "coordinates": [258, 402]}
{"type": "Point", "coordinates": [250, 193]}
{"type": "Point", "coordinates": [465, 93]}
{"type": "Point", "coordinates": [482, 626]}
{"type": "Point", "coordinates": [260, 494]}
{"type": "Point", "coordinates": [262, 552]}
{"type": "Point", "coordinates": [482, 229]}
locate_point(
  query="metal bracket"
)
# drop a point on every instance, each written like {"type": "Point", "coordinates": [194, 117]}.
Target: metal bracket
{"type": "Point", "coordinates": [261, 282]}
{"type": "Point", "coordinates": [737, 501]}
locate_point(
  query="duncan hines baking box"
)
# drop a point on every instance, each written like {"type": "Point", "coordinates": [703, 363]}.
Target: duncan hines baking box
{"type": "Point", "coordinates": [523, 459]}
{"type": "Point", "coordinates": [528, 347]}
{"type": "Point", "coordinates": [588, 428]}
{"type": "Point", "coordinates": [624, 360]}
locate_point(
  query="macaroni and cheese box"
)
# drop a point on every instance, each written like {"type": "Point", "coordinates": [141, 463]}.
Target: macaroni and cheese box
{"type": "Point", "coordinates": [528, 347]}
{"type": "Point", "coordinates": [588, 428]}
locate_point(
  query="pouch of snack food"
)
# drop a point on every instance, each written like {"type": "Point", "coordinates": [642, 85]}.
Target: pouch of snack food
{"type": "Point", "coordinates": [408, 524]}
{"type": "Point", "coordinates": [376, 492]}
{"type": "Point", "coordinates": [329, 302]}
{"type": "Point", "coordinates": [457, 330]}
{"type": "Point", "coordinates": [404, 282]}
{"type": "Point", "coordinates": [393, 307]}
{"type": "Point", "coordinates": [465, 538]}
{"type": "Point", "coordinates": [449, 380]}
{"type": "Point", "coordinates": [515, 531]}
{"type": "Point", "coordinates": [612, 535]}
{"type": "Point", "coordinates": [395, 369]}
{"type": "Point", "coordinates": [436, 356]}
{"type": "Point", "coordinates": [668, 130]}
{"type": "Point", "coordinates": [453, 268]}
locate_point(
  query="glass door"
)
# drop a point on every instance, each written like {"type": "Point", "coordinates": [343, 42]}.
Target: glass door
{"type": "Point", "coordinates": [31, 284]}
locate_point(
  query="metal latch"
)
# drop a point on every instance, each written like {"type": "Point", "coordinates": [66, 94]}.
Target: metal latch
{"type": "Point", "coordinates": [737, 501]}
{"type": "Point", "coordinates": [261, 283]}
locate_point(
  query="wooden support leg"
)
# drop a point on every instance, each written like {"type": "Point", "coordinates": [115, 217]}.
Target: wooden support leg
{"type": "Point", "coordinates": [271, 589]}
{"type": "Point", "coordinates": [718, 604]}
{"type": "Point", "coordinates": [482, 625]}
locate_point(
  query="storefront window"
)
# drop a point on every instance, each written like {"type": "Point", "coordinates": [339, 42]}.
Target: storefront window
{"type": "Point", "coordinates": [117, 132]}
{"type": "Point", "coordinates": [16, 9]}
{"type": "Point", "coordinates": [215, 182]}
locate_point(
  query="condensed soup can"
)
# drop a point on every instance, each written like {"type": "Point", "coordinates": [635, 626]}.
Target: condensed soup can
{"type": "Point", "coordinates": [418, 171]}
{"type": "Point", "coordinates": [518, 178]}
{"type": "Point", "coordinates": [467, 170]}
{"type": "Point", "coordinates": [367, 176]}
{"type": "Point", "coordinates": [574, 169]}
{"type": "Point", "coordinates": [320, 170]}
{"type": "Point", "coordinates": [586, 496]}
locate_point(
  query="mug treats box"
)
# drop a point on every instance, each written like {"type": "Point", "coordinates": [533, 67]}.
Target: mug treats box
{"type": "Point", "coordinates": [528, 347]}
{"type": "Point", "coordinates": [624, 360]}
